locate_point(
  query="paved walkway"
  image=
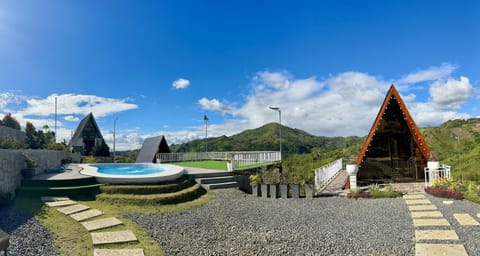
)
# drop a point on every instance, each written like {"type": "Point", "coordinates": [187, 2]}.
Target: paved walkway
{"type": "Point", "coordinates": [433, 233]}
{"type": "Point", "coordinates": [83, 214]}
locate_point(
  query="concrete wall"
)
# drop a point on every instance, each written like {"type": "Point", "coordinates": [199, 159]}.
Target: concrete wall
{"type": "Point", "coordinates": [12, 162]}
{"type": "Point", "coordinates": [7, 132]}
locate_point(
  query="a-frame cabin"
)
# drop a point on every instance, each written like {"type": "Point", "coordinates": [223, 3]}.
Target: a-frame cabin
{"type": "Point", "coordinates": [395, 150]}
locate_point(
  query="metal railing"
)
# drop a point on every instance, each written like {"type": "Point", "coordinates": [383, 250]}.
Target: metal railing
{"type": "Point", "coordinates": [237, 159]}
{"type": "Point", "coordinates": [326, 173]}
{"type": "Point", "coordinates": [444, 171]}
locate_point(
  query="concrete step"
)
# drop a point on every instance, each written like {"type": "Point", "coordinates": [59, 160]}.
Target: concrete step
{"type": "Point", "coordinates": [213, 180]}
{"type": "Point", "coordinates": [210, 175]}
{"type": "Point", "coordinates": [222, 185]}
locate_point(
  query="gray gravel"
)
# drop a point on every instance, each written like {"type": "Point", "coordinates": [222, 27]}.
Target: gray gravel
{"type": "Point", "coordinates": [239, 224]}
{"type": "Point", "coordinates": [469, 235]}
{"type": "Point", "coordinates": [27, 236]}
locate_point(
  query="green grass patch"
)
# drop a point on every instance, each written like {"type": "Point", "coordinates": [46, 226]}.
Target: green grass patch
{"type": "Point", "coordinates": [70, 238]}
{"type": "Point", "coordinates": [208, 164]}
{"type": "Point", "coordinates": [384, 194]}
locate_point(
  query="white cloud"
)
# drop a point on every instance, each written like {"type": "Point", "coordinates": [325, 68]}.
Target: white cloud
{"type": "Point", "coordinates": [213, 105]}
{"type": "Point", "coordinates": [72, 118]}
{"type": "Point", "coordinates": [451, 94]}
{"type": "Point", "coordinates": [181, 83]}
{"type": "Point", "coordinates": [429, 74]}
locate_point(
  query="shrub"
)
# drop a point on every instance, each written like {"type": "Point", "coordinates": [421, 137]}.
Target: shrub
{"type": "Point", "coordinates": [254, 180]}
{"type": "Point", "coordinates": [444, 193]}
{"type": "Point", "coordinates": [448, 183]}
{"type": "Point", "coordinates": [472, 193]}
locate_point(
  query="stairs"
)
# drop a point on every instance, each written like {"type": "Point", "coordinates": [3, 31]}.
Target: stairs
{"type": "Point", "coordinates": [215, 180]}
{"type": "Point", "coordinates": [73, 187]}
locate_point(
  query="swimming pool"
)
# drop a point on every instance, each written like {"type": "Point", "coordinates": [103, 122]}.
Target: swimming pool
{"type": "Point", "coordinates": [132, 173]}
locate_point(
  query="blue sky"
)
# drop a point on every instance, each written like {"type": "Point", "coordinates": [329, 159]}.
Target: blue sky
{"type": "Point", "coordinates": [160, 66]}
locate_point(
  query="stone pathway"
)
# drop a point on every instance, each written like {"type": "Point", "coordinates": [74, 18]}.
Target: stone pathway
{"type": "Point", "coordinates": [433, 233]}
{"type": "Point", "coordinates": [81, 213]}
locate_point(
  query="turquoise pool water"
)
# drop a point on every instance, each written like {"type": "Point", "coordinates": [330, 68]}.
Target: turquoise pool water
{"type": "Point", "coordinates": [128, 169]}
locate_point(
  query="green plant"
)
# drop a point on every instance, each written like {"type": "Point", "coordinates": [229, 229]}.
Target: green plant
{"type": "Point", "coordinates": [271, 175]}
{"type": "Point", "coordinates": [374, 188]}
{"type": "Point", "coordinates": [254, 180]}
{"type": "Point", "coordinates": [448, 183]}
{"type": "Point", "coordinates": [31, 164]}
{"type": "Point", "coordinates": [90, 159]}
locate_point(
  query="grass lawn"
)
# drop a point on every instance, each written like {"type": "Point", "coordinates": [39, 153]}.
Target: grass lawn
{"type": "Point", "coordinates": [71, 238]}
{"type": "Point", "coordinates": [208, 164]}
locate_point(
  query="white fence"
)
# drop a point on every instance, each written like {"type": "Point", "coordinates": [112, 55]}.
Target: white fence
{"type": "Point", "coordinates": [238, 159]}
{"type": "Point", "coordinates": [444, 171]}
{"type": "Point", "coordinates": [326, 173]}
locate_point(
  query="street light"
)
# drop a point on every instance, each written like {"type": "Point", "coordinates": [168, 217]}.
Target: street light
{"type": "Point", "coordinates": [280, 125]}
{"type": "Point", "coordinates": [114, 128]}
{"type": "Point", "coordinates": [205, 117]}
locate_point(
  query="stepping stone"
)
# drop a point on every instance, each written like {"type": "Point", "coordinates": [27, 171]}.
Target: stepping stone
{"type": "Point", "coordinates": [53, 198]}
{"type": "Point", "coordinates": [61, 203]}
{"type": "Point", "coordinates": [414, 196]}
{"type": "Point", "coordinates": [85, 215]}
{"type": "Point", "coordinates": [430, 222]}
{"type": "Point", "coordinates": [436, 235]}
{"type": "Point", "coordinates": [417, 201]}
{"type": "Point", "coordinates": [73, 209]}
{"type": "Point", "coordinates": [101, 223]}
{"type": "Point", "coordinates": [440, 250]}
{"type": "Point", "coordinates": [465, 219]}
{"type": "Point", "coordinates": [119, 252]}
{"type": "Point", "coordinates": [429, 214]}
{"type": "Point", "coordinates": [113, 237]}
{"type": "Point", "coordinates": [447, 201]}
{"type": "Point", "coordinates": [426, 207]}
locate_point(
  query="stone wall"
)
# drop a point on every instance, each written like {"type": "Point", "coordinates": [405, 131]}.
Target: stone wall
{"type": "Point", "coordinates": [12, 162]}
{"type": "Point", "coordinates": [7, 132]}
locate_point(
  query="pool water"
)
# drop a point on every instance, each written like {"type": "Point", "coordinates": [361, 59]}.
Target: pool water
{"type": "Point", "coordinates": [128, 169]}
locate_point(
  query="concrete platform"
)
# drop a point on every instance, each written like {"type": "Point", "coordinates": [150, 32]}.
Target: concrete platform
{"type": "Point", "coordinates": [73, 209]}
{"type": "Point", "coordinates": [427, 207]}
{"type": "Point", "coordinates": [436, 235]}
{"type": "Point", "coordinates": [61, 203]}
{"type": "Point", "coordinates": [101, 223]}
{"type": "Point", "coordinates": [429, 214]}
{"type": "Point", "coordinates": [440, 250]}
{"type": "Point", "coordinates": [113, 237]}
{"type": "Point", "coordinates": [417, 201]}
{"type": "Point", "coordinates": [54, 198]}
{"type": "Point", "coordinates": [85, 215]}
{"type": "Point", "coordinates": [414, 196]}
{"type": "Point", "coordinates": [119, 252]}
{"type": "Point", "coordinates": [430, 222]}
{"type": "Point", "coordinates": [465, 219]}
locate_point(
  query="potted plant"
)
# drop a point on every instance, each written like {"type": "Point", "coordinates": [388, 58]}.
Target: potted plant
{"type": "Point", "coordinates": [31, 165]}
{"type": "Point", "coordinates": [308, 190]}
{"type": "Point", "coordinates": [254, 181]}
{"type": "Point", "coordinates": [351, 167]}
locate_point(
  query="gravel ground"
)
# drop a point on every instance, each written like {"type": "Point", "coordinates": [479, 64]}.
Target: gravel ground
{"type": "Point", "coordinates": [27, 236]}
{"type": "Point", "coordinates": [469, 235]}
{"type": "Point", "coordinates": [239, 224]}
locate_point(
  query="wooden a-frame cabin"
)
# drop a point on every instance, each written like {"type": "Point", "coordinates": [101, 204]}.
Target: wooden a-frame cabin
{"type": "Point", "coordinates": [395, 150]}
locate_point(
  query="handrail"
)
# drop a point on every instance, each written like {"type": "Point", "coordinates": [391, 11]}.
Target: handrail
{"type": "Point", "coordinates": [326, 173]}
{"type": "Point", "coordinates": [444, 171]}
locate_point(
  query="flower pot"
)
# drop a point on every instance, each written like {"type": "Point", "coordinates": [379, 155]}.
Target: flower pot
{"type": "Point", "coordinates": [351, 169]}
{"type": "Point", "coordinates": [264, 188]}
{"type": "Point", "coordinates": [273, 191]}
{"type": "Point", "coordinates": [295, 190]}
{"type": "Point", "coordinates": [309, 190]}
{"type": "Point", "coordinates": [284, 191]}
{"type": "Point", "coordinates": [255, 191]}
{"type": "Point", "coordinates": [433, 165]}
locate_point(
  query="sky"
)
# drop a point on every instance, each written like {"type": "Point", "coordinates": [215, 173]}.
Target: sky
{"type": "Point", "coordinates": [158, 67]}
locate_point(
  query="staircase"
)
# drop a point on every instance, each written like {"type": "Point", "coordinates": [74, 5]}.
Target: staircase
{"type": "Point", "coordinates": [65, 187]}
{"type": "Point", "coordinates": [215, 180]}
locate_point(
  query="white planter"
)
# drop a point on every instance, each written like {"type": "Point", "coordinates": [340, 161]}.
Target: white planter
{"type": "Point", "coordinates": [229, 166]}
{"type": "Point", "coordinates": [351, 169]}
{"type": "Point", "coordinates": [433, 165]}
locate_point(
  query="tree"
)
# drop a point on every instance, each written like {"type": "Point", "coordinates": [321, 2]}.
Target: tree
{"type": "Point", "coordinates": [101, 150]}
{"type": "Point", "coordinates": [10, 121]}
{"type": "Point", "coordinates": [32, 135]}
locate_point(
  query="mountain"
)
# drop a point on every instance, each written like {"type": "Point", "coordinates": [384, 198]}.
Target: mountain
{"type": "Point", "coordinates": [457, 143]}
{"type": "Point", "coordinates": [267, 138]}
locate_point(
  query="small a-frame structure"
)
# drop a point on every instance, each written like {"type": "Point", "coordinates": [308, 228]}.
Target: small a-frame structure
{"type": "Point", "coordinates": [151, 146]}
{"type": "Point", "coordinates": [395, 150]}
{"type": "Point", "coordinates": [86, 136]}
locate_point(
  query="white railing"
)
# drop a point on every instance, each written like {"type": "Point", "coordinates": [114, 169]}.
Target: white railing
{"type": "Point", "coordinates": [238, 159]}
{"type": "Point", "coordinates": [326, 173]}
{"type": "Point", "coordinates": [444, 171]}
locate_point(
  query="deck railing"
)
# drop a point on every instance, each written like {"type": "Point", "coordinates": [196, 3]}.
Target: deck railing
{"type": "Point", "coordinates": [326, 173]}
{"type": "Point", "coordinates": [237, 159]}
{"type": "Point", "coordinates": [444, 171]}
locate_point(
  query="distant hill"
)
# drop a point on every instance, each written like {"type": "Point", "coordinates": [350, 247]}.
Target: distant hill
{"type": "Point", "coordinates": [267, 138]}
{"type": "Point", "coordinates": [462, 152]}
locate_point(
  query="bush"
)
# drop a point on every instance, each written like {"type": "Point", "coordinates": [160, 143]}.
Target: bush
{"type": "Point", "coordinates": [448, 183]}
{"type": "Point", "coordinates": [444, 193]}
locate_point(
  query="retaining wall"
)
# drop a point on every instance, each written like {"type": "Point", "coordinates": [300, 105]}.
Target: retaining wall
{"type": "Point", "coordinates": [12, 162]}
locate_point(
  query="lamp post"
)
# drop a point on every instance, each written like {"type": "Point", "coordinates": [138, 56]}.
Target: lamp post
{"type": "Point", "coordinates": [205, 117]}
{"type": "Point", "coordinates": [114, 129]}
{"type": "Point", "coordinates": [280, 125]}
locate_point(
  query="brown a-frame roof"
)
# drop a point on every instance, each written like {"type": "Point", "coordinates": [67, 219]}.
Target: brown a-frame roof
{"type": "Point", "coordinates": [412, 127]}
